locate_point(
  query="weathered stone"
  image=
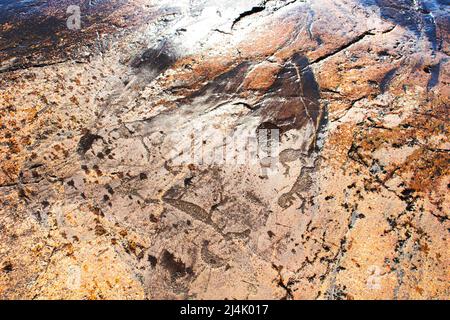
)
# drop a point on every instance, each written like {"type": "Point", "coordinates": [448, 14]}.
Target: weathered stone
{"type": "Point", "coordinates": [95, 204]}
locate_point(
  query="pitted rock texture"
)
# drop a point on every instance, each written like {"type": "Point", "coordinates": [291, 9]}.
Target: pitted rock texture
{"type": "Point", "coordinates": [93, 204]}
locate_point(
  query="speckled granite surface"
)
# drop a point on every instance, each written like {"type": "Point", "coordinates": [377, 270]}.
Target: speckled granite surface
{"type": "Point", "coordinates": [93, 204]}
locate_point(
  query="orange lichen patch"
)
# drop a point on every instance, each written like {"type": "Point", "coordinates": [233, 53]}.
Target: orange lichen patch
{"type": "Point", "coordinates": [354, 80]}
{"type": "Point", "coordinates": [338, 144]}
{"type": "Point", "coordinates": [9, 172]}
{"type": "Point", "coordinates": [32, 112]}
{"type": "Point", "coordinates": [74, 100]}
{"type": "Point", "coordinates": [262, 76]}
{"type": "Point", "coordinates": [428, 168]}
{"type": "Point", "coordinates": [14, 146]}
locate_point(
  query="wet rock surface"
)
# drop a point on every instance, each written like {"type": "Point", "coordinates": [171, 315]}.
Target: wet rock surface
{"type": "Point", "coordinates": [95, 205]}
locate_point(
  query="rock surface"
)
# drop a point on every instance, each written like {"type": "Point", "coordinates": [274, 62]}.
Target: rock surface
{"type": "Point", "coordinates": [93, 204]}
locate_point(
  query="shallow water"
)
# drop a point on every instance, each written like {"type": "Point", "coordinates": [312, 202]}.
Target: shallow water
{"type": "Point", "coordinates": [12, 10]}
{"type": "Point", "coordinates": [38, 24]}
{"type": "Point", "coordinates": [33, 32]}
